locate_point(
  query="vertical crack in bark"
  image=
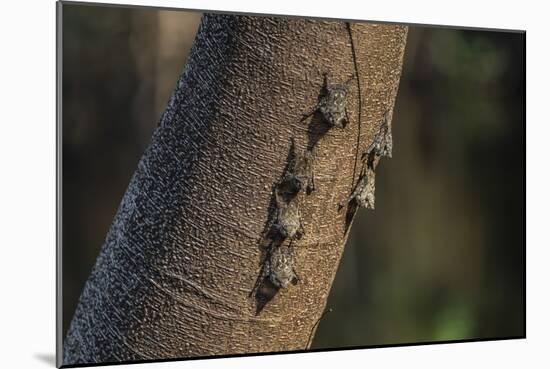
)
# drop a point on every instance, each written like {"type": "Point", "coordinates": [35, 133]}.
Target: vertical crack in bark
{"type": "Point", "coordinates": [359, 101]}
{"type": "Point", "coordinates": [313, 329]}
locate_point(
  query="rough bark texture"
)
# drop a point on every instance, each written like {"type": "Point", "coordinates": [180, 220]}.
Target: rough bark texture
{"type": "Point", "coordinates": [177, 268]}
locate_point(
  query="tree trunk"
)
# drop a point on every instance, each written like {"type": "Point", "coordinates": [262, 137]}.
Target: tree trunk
{"type": "Point", "coordinates": [176, 276]}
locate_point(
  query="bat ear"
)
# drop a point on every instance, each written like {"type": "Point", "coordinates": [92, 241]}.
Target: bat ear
{"type": "Point", "coordinates": [325, 83]}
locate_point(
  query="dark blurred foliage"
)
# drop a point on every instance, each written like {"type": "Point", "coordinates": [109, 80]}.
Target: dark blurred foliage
{"type": "Point", "coordinates": [441, 257]}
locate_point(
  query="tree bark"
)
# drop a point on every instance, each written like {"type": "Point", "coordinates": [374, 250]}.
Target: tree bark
{"type": "Point", "coordinates": [175, 275]}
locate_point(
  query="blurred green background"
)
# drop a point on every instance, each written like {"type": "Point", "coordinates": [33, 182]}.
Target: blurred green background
{"type": "Point", "coordinates": [441, 258]}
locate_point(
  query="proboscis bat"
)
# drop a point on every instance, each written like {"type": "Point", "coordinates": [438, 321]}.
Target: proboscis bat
{"type": "Point", "coordinates": [288, 221]}
{"type": "Point", "coordinates": [383, 142]}
{"type": "Point", "coordinates": [332, 103]}
{"type": "Point", "coordinates": [280, 267]}
{"type": "Point", "coordinates": [363, 194]}
{"type": "Point", "coordinates": [300, 175]}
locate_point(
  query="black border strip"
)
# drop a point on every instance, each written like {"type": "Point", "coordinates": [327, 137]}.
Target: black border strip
{"type": "Point", "coordinates": [524, 139]}
{"type": "Point", "coordinates": [350, 348]}
{"type": "Point", "coordinates": [59, 186]}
